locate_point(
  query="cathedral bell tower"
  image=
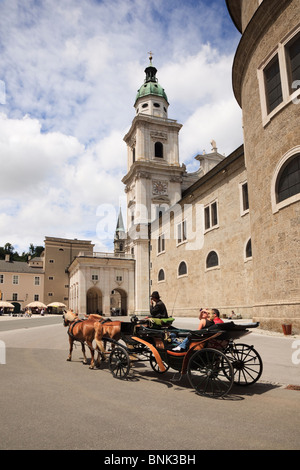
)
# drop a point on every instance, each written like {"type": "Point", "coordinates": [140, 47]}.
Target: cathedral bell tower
{"type": "Point", "coordinates": [154, 175]}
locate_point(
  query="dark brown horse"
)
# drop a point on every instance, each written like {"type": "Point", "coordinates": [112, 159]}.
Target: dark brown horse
{"type": "Point", "coordinates": [90, 329]}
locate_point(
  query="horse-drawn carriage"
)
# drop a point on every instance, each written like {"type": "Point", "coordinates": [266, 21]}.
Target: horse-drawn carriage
{"type": "Point", "coordinates": [213, 361]}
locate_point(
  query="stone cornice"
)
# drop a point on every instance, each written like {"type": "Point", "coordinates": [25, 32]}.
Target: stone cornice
{"type": "Point", "coordinates": [152, 120]}
{"type": "Point", "coordinates": [144, 169]}
{"type": "Point", "coordinates": [218, 169]}
{"type": "Point", "coordinates": [263, 18]}
{"type": "Point", "coordinates": [234, 8]}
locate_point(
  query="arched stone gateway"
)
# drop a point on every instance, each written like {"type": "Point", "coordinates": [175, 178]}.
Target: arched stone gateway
{"type": "Point", "coordinates": [94, 301]}
{"type": "Point", "coordinates": [118, 302]}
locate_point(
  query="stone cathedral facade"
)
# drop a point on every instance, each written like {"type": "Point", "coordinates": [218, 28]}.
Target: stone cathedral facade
{"type": "Point", "coordinates": [226, 236]}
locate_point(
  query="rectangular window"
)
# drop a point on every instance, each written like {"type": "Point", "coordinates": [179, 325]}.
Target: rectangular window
{"type": "Point", "coordinates": [207, 217]}
{"type": "Point", "coordinates": [181, 232]}
{"type": "Point", "coordinates": [161, 243]}
{"type": "Point", "coordinates": [1, 278]}
{"type": "Point", "coordinates": [279, 77]}
{"type": "Point", "coordinates": [36, 280]}
{"type": "Point", "coordinates": [214, 214]}
{"type": "Point", "coordinates": [95, 275]}
{"type": "Point", "coordinates": [293, 59]}
{"type": "Point", "coordinates": [15, 279]}
{"type": "Point", "coordinates": [36, 297]}
{"type": "Point", "coordinates": [273, 84]}
{"type": "Point", "coordinates": [211, 216]}
{"type": "Point", "coordinates": [245, 199]}
{"type": "Point", "coordinates": [15, 296]}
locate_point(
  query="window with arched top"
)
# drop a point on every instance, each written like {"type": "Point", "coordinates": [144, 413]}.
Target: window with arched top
{"type": "Point", "coordinates": [182, 268]}
{"type": "Point", "coordinates": [248, 251]}
{"type": "Point", "coordinates": [285, 184]}
{"type": "Point", "coordinates": [212, 260]}
{"type": "Point", "coordinates": [288, 180]}
{"type": "Point", "coordinates": [161, 275]}
{"type": "Point", "coordinates": [158, 150]}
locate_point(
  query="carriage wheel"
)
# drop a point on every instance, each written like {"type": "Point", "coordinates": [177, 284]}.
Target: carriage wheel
{"type": "Point", "coordinates": [210, 373]}
{"type": "Point", "coordinates": [155, 366]}
{"type": "Point", "coordinates": [119, 362]}
{"type": "Point", "coordinates": [246, 362]}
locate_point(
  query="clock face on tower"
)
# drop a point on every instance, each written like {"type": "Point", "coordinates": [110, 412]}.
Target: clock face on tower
{"type": "Point", "coordinates": [159, 187]}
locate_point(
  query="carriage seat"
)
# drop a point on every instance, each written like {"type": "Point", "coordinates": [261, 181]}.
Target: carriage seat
{"type": "Point", "coordinates": [160, 322]}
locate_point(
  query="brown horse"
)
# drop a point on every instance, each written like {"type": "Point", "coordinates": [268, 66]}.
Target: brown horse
{"type": "Point", "coordinates": [87, 330]}
{"type": "Point", "coordinates": [82, 331]}
{"type": "Point", "coordinates": [106, 329]}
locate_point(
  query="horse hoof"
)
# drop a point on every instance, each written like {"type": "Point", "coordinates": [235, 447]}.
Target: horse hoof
{"type": "Point", "coordinates": [69, 359]}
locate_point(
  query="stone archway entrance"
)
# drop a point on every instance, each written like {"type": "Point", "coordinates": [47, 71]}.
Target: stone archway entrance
{"type": "Point", "coordinates": [118, 302]}
{"type": "Point", "coordinates": [94, 301]}
{"type": "Point", "coordinates": [17, 307]}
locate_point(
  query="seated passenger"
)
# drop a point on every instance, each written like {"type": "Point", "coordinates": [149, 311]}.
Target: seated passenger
{"type": "Point", "coordinates": [217, 318]}
{"type": "Point", "coordinates": [206, 320]}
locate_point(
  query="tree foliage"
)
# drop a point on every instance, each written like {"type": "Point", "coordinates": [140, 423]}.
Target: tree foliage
{"type": "Point", "coordinates": [8, 249]}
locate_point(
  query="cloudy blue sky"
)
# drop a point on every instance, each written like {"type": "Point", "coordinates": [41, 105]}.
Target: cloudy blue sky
{"type": "Point", "coordinates": [69, 75]}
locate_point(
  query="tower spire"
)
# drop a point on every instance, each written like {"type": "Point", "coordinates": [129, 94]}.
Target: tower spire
{"type": "Point", "coordinates": [120, 226]}
{"type": "Point", "coordinates": [120, 235]}
{"type": "Point", "coordinates": [150, 70]}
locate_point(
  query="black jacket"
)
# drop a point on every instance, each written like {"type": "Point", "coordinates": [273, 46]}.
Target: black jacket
{"type": "Point", "coordinates": [159, 310]}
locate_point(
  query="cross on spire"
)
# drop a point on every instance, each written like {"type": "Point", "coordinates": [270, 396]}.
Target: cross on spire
{"type": "Point", "coordinates": [150, 56]}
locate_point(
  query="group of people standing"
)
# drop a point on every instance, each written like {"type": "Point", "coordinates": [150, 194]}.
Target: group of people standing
{"type": "Point", "coordinates": [207, 317]}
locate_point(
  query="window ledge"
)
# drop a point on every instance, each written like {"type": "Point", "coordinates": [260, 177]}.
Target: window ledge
{"type": "Point", "coordinates": [181, 243]}
{"type": "Point", "coordinates": [212, 268]}
{"type": "Point", "coordinates": [286, 202]}
{"type": "Point", "coordinates": [161, 253]}
{"type": "Point", "coordinates": [179, 276]}
{"type": "Point", "coordinates": [293, 98]}
{"type": "Point", "coordinates": [207, 230]}
{"type": "Point", "coordinates": [246, 212]}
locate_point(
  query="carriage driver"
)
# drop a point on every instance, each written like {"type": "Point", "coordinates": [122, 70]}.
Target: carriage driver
{"type": "Point", "coordinates": [157, 307]}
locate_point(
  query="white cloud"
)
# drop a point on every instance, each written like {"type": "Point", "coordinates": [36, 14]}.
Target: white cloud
{"type": "Point", "coordinates": [219, 121]}
{"type": "Point", "coordinates": [29, 158]}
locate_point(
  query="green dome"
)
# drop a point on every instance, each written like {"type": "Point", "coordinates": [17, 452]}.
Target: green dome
{"type": "Point", "coordinates": [151, 85]}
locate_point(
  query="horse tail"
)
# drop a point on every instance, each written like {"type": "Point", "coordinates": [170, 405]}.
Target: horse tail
{"type": "Point", "coordinates": [99, 336]}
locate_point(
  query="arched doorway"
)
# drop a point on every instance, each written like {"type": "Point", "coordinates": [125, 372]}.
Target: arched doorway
{"type": "Point", "coordinates": [17, 307]}
{"type": "Point", "coordinates": [94, 301]}
{"type": "Point", "coordinates": [118, 302]}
